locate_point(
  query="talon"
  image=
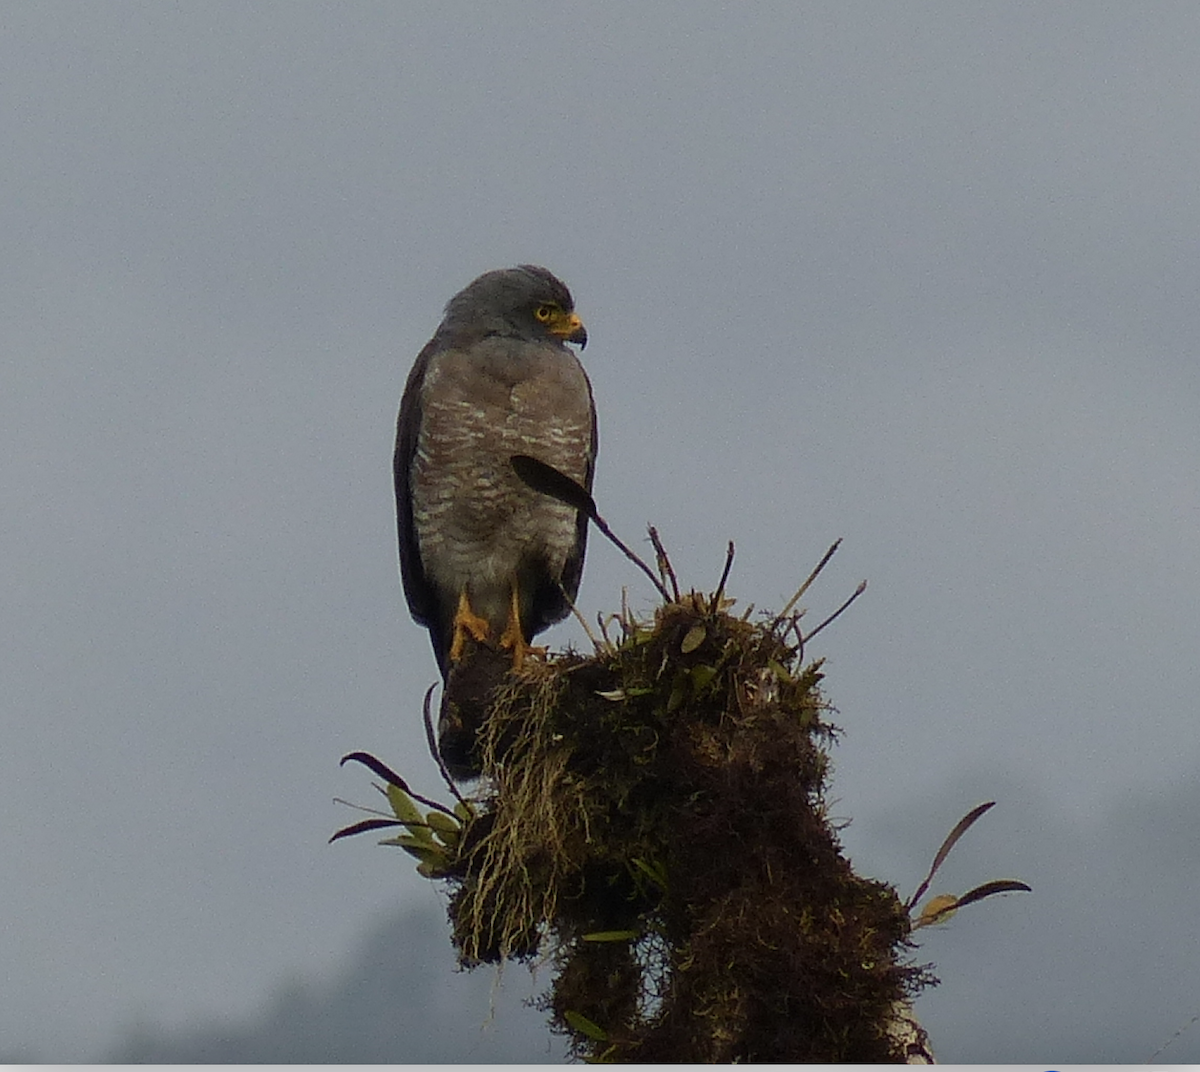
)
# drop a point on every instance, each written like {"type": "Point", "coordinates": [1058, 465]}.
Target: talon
{"type": "Point", "coordinates": [466, 621]}
{"type": "Point", "coordinates": [514, 636]}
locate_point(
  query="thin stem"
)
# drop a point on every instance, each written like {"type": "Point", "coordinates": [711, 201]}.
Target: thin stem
{"type": "Point", "coordinates": [664, 563]}
{"type": "Point", "coordinates": [602, 525]}
{"type": "Point", "coordinates": [431, 738]}
{"type": "Point", "coordinates": [805, 586]}
{"type": "Point", "coordinates": [715, 605]}
{"type": "Point", "coordinates": [857, 592]}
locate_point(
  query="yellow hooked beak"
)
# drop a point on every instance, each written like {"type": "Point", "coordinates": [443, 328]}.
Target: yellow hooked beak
{"type": "Point", "coordinates": [568, 327]}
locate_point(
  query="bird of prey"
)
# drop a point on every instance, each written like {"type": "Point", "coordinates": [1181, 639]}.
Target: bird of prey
{"type": "Point", "coordinates": [487, 562]}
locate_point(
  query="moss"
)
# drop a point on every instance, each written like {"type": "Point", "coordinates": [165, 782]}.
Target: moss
{"type": "Point", "coordinates": [657, 811]}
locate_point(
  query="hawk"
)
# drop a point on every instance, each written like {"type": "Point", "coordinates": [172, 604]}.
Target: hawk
{"type": "Point", "coordinates": [487, 562]}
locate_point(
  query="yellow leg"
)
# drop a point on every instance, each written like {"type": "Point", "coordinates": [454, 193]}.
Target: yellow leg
{"type": "Point", "coordinates": [514, 637]}
{"type": "Point", "coordinates": [466, 621]}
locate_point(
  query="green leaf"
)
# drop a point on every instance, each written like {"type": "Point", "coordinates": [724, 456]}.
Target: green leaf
{"type": "Point", "coordinates": [779, 670]}
{"type": "Point", "coordinates": [407, 811]}
{"type": "Point", "coordinates": [693, 638]}
{"type": "Point", "coordinates": [655, 872]}
{"type": "Point", "coordinates": [937, 909]}
{"type": "Point", "coordinates": [444, 828]}
{"type": "Point", "coordinates": [464, 812]}
{"type": "Point", "coordinates": [425, 851]}
{"type": "Point", "coordinates": [611, 936]}
{"type": "Point", "coordinates": [584, 1026]}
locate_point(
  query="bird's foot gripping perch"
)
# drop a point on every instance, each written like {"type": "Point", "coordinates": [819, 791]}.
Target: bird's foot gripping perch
{"type": "Point", "coordinates": [478, 666]}
{"type": "Point", "coordinates": [513, 637]}
{"type": "Point", "coordinates": [466, 621]}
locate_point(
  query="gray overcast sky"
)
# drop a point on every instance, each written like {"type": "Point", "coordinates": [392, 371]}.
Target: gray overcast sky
{"type": "Point", "coordinates": [923, 276]}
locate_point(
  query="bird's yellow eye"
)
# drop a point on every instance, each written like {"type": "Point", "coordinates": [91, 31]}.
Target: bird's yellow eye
{"type": "Point", "coordinates": [544, 313]}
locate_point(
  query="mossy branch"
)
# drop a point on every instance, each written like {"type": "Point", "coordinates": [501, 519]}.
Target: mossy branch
{"type": "Point", "coordinates": [652, 817]}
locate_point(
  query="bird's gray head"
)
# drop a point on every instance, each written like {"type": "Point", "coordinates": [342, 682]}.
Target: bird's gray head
{"type": "Point", "coordinates": [526, 302]}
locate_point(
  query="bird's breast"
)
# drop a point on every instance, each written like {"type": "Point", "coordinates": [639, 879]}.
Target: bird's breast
{"type": "Point", "coordinates": [475, 521]}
